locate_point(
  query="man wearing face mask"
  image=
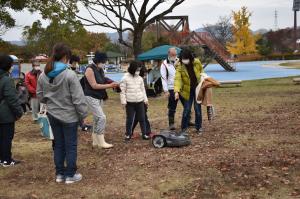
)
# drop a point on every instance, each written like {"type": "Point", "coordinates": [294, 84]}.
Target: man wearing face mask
{"type": "Point", "coordinates": [31, 83]}
{"type": "Point", "coordinates": [95, 85]}
{"type": "Point", "coordinates": [167, 71]}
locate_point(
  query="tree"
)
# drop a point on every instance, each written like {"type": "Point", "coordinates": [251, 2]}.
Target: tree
{"type": "Point", "coordinates": [264, 46]}
{"type": "Point", "coordinates": [41, 40]}
{"type": "Point", "coordinates": [244, 42]}
{"type": "Point", "coordinates": [120, 15]}
{"type": "Point", "coordinates": [6, 20]}
{"type": "Point", "coordinates": [281, 41]}
{"type": "Point", "coordinates": [222, 30]}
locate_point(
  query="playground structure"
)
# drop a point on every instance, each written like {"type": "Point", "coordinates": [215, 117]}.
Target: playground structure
{"type": "Point", "coordinates": [180, 35]}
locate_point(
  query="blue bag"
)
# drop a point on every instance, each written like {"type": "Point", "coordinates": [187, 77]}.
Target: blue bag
{"type": "Point", "coordinates": [44, 123]}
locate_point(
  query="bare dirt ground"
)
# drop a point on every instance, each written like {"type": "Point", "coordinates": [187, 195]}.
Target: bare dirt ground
{"type": "Point", "coordinates": [250, 151]}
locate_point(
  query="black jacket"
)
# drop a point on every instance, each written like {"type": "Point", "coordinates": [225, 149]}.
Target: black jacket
{"type": "Point", "coordinates": [10, 106]}
{"type": "Point", "coordinates": [100, 79]}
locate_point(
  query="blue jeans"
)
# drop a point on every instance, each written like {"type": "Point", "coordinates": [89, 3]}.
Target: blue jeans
{"type": "Point", "coordinates": [65, 146]}
{"type": "Point", "coordinates": [187, 111]}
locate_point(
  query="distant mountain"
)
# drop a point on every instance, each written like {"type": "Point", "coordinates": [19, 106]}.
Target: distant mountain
{"type": "Point", "coordinates": [17, 43]}
{"type": "Point", "coordinates": [261, 31]}
{"type": "Point", "coordinates": [200, 30]}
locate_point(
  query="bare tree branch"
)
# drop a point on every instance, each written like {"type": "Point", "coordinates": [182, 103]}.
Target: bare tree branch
{"type": "Point", "coordinates": [169, 10]}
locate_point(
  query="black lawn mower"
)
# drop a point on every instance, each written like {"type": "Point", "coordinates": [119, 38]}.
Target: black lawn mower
{"type": "Point", "coordinates": [167, 138]}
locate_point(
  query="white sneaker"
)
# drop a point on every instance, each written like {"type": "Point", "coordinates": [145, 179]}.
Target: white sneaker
{"type": "Point", "coordinates": [60, 178]}
{"type": "Point", "coordinates": [76, 178]}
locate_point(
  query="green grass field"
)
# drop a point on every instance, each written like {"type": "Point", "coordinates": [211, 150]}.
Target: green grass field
{"type": "Point", "coordinates": [251, 150]}
{"type": "Point", "coordinates": [291, 65]}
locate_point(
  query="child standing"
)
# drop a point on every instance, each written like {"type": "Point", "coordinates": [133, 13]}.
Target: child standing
{"type": "Point", "coordinates": [134, 98]}
{"type": "Point", "coordinates": [143, 74]}
{"type": "Point", "coordinates": [23, 95]}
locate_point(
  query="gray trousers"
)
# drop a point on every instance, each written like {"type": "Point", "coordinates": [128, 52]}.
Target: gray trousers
{"type": "Point", "coordinates": [95, 106]}
{"type": "Point", "coordinates": [35, 106]}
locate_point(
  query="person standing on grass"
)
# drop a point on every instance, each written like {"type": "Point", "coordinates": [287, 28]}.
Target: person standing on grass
{"type": "Point", "coordinates": [187, 77]}
{"type": "Point", "coordinates": [31, 83]}
{"type": "Point", "coordinates": [95, 85]}
{"type": "Point", "coordinates": [23, 94]}
{"type": "Point", "coordinates": [143, 74]}
{"type": "Point", "coordinates": [10, 111]}
{"type": "Point", "coordinates": [74, 65]}
{"type": "Point", "coordinates": [60, 90]}
{"type": "Point", "coordinates": [168, 71]}
{"type": "Point", "coordinates": [133, 98]}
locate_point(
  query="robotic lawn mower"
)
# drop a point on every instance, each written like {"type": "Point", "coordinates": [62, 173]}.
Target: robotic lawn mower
{"type": "Point", "coordinates": [168, 138]}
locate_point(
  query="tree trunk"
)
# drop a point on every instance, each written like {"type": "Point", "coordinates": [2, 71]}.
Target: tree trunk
{"type": "Point", "coordinates": [137, 42]}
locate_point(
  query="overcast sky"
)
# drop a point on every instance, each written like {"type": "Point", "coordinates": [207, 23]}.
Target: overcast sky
{"type": "Point", "coordinates": [200, 12]}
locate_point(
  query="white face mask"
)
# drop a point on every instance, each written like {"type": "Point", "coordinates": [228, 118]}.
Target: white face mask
{"type": "Point", "coordinates": [37, 68]}
{"type": "Point", "coordinates": [186, 61]}
{"type": "Point", "coordinates": [172, 59]}
{"type": "Point", "coordinates": [137, 72]}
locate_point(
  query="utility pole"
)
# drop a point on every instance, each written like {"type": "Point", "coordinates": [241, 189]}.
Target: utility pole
{"type": "Point", "coordinates": [276, 21]}
{"type": "Point", "coordinates": [296, 8]}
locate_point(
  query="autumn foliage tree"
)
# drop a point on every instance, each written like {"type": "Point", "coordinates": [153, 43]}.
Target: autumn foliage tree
{"type": "Point", "coordinates": [244, 42]}
{"type": "Point", "coordinates": [41, 39]}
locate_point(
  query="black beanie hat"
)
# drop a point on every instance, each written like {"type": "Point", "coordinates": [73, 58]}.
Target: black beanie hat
{"type": "Point", "coordinates": [100, 57]}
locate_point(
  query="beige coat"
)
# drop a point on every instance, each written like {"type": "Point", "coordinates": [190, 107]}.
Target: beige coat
{"type": "Point", "coordinates": [204, 89]}
{"type": "Point", "coordinates": [132, 89]}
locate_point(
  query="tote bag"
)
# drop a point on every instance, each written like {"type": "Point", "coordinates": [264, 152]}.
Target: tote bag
{"type": "Point", "coordinates": [44, 123]}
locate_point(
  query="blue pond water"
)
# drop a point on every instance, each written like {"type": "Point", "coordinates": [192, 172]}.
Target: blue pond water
{"type": "Point", "coordinates": [245, 71]}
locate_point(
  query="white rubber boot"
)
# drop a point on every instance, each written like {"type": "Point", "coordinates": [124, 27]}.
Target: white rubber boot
{"type": "Point", "coordinates": [95, 140]}
{"type": "Point", "coordinates": [102, 142]}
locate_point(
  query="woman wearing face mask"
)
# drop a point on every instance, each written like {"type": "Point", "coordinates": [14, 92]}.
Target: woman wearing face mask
{"type": "Point", "coordinates": [187, 77]}
{"type": "Point", "coordinates": [133, 98]}
{"type": "Point", "coordinates": [74, 63]}
{"type": "Point", "coordinates": [31, 84]}
{"type": "Point", "coordinates": [60, 90]}
{"type": "Point", "coordinates": [95, 84]}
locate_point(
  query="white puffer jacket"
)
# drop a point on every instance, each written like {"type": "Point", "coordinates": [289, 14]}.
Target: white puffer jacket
{"type": "Point", "coordinates": [132, 89]}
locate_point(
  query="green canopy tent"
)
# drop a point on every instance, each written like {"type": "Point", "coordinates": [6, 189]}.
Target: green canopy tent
{"type": "Point", "coordinates": [158, 53]}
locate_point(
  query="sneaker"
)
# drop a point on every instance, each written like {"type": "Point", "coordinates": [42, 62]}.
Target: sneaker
{"type": "Point", "coordinates": [11, 163]}
{"type": "Point", "coordinates": [199, 131]}
{"type": "Point", "coordinates": [127, 138]}
{"type": "Point", "coordinates": [184, 132]}
{"type": "Point", "coordinates": [59, 178]}
{"type": "Point", "coordinates": [76, 178]}
{"type": "Point", "coordinates": [145, 137]}
{"type": "Point", "coordinates": [1, 162]}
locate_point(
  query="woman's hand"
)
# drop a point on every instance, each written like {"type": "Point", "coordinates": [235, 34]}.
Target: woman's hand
{"type": "Point", "coordinates": [176, 96]}
{"type": "Point", "coordinates": [146, 103]}
{"type": "Point", "coordinates": [114, 85]}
